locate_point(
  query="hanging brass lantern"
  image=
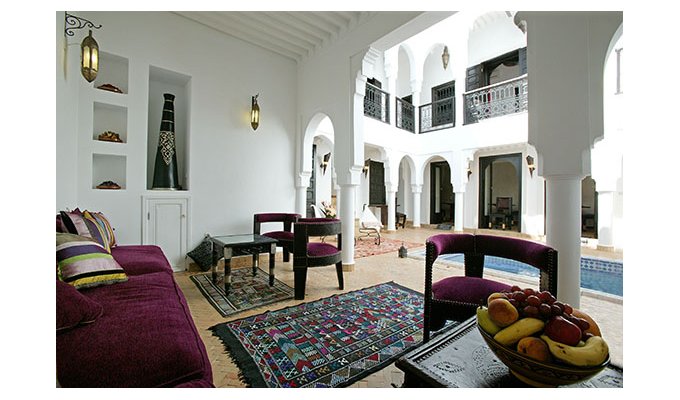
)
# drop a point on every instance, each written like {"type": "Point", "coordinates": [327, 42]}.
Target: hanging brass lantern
{"type": "Point", "coordinates": [89, 61]}
{"type": "Point", "coordinates": [445, 57]}
{"type": "Point", "coordinates": [255, 113]}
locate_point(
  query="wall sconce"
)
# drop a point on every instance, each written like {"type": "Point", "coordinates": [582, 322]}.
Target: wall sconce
{"type": "Point", "coordinates": [324, 163]}
{"type": "Point", "coordinates": [531, 165]}
{"type": "Point", "coordinates": [445, 57]}
{"type": "Point", "coordinates": [365, 168]}
{"type": "Point", "coordinates": [89, 49]}
{"type": "Point", "coordinates": [255, 113]}
{"type": "Point", "coordinates": [469, 171]}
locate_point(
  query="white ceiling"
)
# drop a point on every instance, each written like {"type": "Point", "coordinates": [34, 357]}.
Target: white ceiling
{"type": "Point", "coordinates": [293, 34]}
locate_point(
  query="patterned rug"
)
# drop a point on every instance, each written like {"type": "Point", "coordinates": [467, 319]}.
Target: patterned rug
{"type": "Point", "coordinates": [331, 342]}
{"type": "Point", "coordinates": [367, 247]}
{"type": "Point", "coordinates": [247, 291]}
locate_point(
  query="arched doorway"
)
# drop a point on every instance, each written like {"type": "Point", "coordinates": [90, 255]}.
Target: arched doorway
{"type": "Point", "coordinates": [588, 208]}
{"type": "Point", "coordinates": [500, 192]}
{"type": "Point", "coordinates": [442, 200]}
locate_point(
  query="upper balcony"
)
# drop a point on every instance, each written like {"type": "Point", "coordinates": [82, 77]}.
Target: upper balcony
{"type": "Point", "coordinates": [496, 100]}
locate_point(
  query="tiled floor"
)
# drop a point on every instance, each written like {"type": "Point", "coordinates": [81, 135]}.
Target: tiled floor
{"type": "Point", "coordinates": [322, 282]}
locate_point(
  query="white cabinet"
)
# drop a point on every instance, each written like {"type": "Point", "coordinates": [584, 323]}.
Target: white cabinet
{"type": "Point", "coordinates": [166, 225]}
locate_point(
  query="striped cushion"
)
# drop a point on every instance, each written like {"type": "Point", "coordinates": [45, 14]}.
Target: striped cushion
{"type": "Point", "coordinates": [85, 263]}
{"type": "Point", "coordinates": [104, 224]}
{"type": "Point", "coordinates": [84, 224]}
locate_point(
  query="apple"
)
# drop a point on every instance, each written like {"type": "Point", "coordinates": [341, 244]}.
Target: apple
{"type": "Point", "coordinates": [562, 330]}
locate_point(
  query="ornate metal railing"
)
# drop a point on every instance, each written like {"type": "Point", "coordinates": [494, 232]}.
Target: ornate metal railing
{"type": "Point", "coordinates": [405, 113]}
{"type": "Point", "coordinates": [377, 103]}
{"type": "Point", "coordinates": [499, 99]}
{"type": "Point", "coordinates": [438, 115]}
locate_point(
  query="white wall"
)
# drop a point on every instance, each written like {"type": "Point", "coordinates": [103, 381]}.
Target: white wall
{"type": "Point", "coordinates": [234, 171]}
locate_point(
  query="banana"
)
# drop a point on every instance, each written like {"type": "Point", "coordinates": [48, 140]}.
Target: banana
{"type": "Point", "coordinates": [518, 330]}
{"type": "Point", "coordinates": [593, 353]}
{"type": "Point", "coordinates": [485, 322]}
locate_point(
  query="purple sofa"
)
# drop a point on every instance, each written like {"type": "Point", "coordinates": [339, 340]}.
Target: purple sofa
{"type": "Point", "coordinates": [145, 336]}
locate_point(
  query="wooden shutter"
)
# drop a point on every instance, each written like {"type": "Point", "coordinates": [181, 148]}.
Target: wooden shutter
{"type": "Point", "coordinates": [474, 78]}
{"type": "Point", "coordinates": [376, 186]}
{"type": "Point", "coordinates": [522, 55]}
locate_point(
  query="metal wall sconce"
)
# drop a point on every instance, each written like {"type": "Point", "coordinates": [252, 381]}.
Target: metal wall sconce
{"type": "Point", "coordinates": [365, 168]}
{"type": "Point", "coordinates": [255, 113]}
{"type": "Point", "coordinates": [324, 163]}
{"type": "Point", "coordinates": [469, 171]}
{"type": "Point", "coordinates": [89, 49]}
{"type": "Point", "coordinates": [531, 165]}
{"type": "Point", "coordinates": [445, 57]}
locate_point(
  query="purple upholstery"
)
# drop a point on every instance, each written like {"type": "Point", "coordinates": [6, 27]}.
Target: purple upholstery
{"type": "Point", "coordinates": [145, 336]}
{"type": "Point", "coordinates": [74, 308]}
{"type": "Point", "coordinates": [141, 259]}
{"type": "Point", "coordinates": [466, 289]}
{"type": "Point", "coordinates": [316, 249]}
{"type": "Point", "coordinates": [280, 235]}
{"type": "Point", "coordinates": [525, 251]}
{"type": "Point", "coordinates": [276, 217]}
{"type": "Point", "coordinates": [450, 244]}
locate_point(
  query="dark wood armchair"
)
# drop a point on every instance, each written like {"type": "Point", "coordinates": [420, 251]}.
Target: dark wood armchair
{"type": "Point", "coordinates": [457, 297]}
{"type": "Point", "coordinates": [284, 238]}
{"type": "Point", "coordinates": [308, 254]}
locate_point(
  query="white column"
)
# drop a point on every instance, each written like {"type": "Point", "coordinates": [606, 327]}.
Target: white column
{"type": "Point", "coordinates": [391, 210]}
{"type": "Point", "coordinates": [563, 233]}
{"type": "Point", "coordinates": [459, 211]}
{"type": "Point", "coordinates": [416, 190]}
{"type": "Point", "coordinates": [605, 219]}
{"type": "Point", "coordinates": [415, 89]}
{"type": "Point", "coordinates": [346, 213]}
{"type": "Point", "coordinates": [301, 200]}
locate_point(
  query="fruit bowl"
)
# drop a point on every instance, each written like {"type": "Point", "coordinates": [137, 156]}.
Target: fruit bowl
{"type": "Point", "coordinates": [537, 373]}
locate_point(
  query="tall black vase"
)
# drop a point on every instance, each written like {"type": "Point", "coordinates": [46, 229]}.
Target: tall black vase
{"type": "Point", "coordinates": [165, 170]}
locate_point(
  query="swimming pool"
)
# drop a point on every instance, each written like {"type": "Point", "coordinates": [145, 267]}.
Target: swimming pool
{"type": "Point", "coordinates": [597, 274]}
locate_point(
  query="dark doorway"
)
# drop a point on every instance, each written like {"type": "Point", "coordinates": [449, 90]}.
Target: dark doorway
{"type": "Point", "coordinates": [311, 189]}
{"type": "Point", "coordinates": [588, 208]}
{"type": "Point", "coordinates": [500, 192]}
{"type": "Point", "coordinates": [442, 200]}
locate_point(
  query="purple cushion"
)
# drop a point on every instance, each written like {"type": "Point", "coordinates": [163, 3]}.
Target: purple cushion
{"type": "Point", "coordinates": [532, 253]}
{"type": "Point", "coordinates": [145, 338]}
{"type": "Point", "coordinates": [277, 217]}
{"type": "Point", "coordinates": [451, 243]}
{"type": "Point", "coordinates": [141, 259]}
{"type": "Point", "coordinates": [318, 249]}
{"type": "Point", "coordinates": [280, 235]}
{"type": "Point", "coordinates": [74, 308]}
{"type": "Point", "coordinates": [466, 289]}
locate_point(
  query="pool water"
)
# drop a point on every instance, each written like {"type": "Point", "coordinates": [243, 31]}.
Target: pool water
{"type": "Point", "coordinates": [597, 274]}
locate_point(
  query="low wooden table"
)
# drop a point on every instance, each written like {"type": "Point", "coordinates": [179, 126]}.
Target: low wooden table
{"type": "Point", "coordinates": [461, 358]}
{"type": "Point", "coordinates": [229, 246]}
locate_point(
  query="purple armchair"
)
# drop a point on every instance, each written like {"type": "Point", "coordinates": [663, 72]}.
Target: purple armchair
{"type": "Point", "coordinates": [284, 238]}
{"type": "Point", "coordinates": [457, 297]}
{"type": "Point", "coordinates": [308, 254]}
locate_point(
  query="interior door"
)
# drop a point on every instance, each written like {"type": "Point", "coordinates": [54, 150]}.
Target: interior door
{"type": "Point", "coordinates": [166, 226]}
{"type": "Point", "coordinates": [311, 189]}
{"type": "Point", "coordinates": [500, 177]}
{"type": "Point", "coordinates": [442, 199]}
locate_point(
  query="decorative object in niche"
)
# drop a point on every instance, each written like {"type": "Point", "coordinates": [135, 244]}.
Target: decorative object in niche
{"type": "Point", "coordinates": [109, 136]}
{"type": "Point", "coordinates": [165, 174]}
{"type": "Point", "coordinates": [109, 87]}
{"type": "Point", "coordinates": [108, 185]}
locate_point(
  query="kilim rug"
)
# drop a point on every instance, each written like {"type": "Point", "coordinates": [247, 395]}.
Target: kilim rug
{"type": "Point", "coordinates": [247, 291]}
{"type": "Point", "coordinates": [331, 342]}
{"type": "Point", "coordinates": [367, 247]}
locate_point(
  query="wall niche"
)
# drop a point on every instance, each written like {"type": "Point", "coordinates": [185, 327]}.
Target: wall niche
{"type": "Point", "coordinates": [165, 81]}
